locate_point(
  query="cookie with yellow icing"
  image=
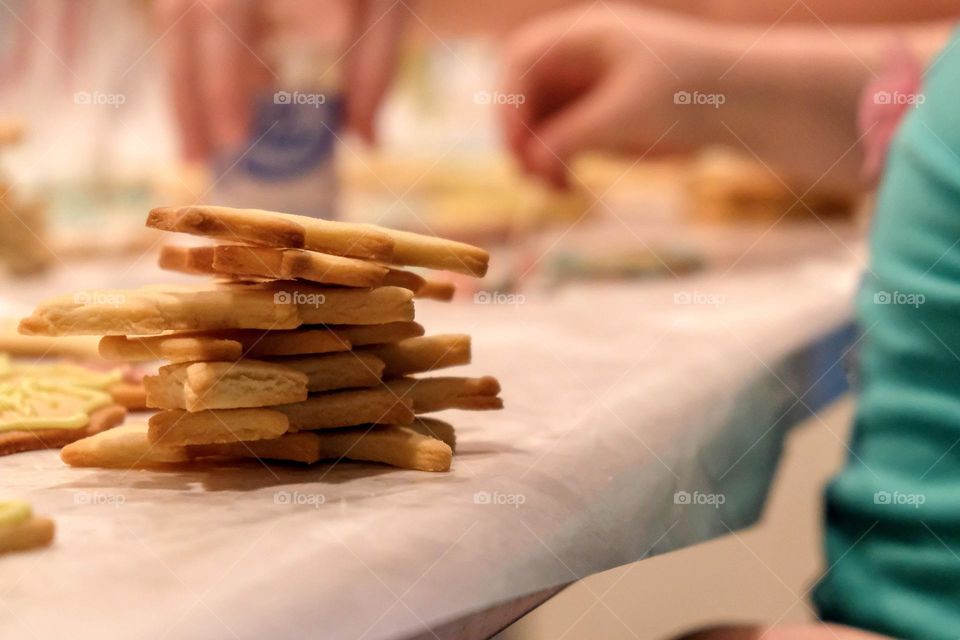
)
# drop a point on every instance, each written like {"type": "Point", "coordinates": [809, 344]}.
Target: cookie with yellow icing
{"type": "Point", "coordinates": [47, 413]}
{"type": "Point", "coordinates": [125, 392]}
{"type": "Point", "coordinates": [20, 529]}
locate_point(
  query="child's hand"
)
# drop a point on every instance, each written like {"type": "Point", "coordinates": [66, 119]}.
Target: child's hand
{"type": "Point", "coordinates": [215, 65]}
{"type": "Point", "coordinates": [372, 45]}
{"type": "Point", "coordinates": [217, 62]}
{"type": "Point", "coordinates": [604, 78]}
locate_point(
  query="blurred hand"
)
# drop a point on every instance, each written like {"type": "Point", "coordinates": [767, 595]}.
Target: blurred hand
{"type": "Point", "coordinates": [214, 70]}
{"type": "Point", "coordinates": [370, 60]}
{"type": "Point", "coordinates": [601, 78]}
{"type": "Point", "coordinates": [217, 63]}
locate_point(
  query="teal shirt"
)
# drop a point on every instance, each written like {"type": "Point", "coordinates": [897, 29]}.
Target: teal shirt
{"type": "Point", "coordinates": [893, 512]}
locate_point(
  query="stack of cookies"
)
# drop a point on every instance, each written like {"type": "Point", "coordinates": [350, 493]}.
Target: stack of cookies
{"type": "Point", "coordinates": [303, 347]}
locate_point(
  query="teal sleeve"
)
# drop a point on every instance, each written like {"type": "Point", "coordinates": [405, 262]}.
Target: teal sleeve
{"type": "Point", "coordinates": [893, 512]}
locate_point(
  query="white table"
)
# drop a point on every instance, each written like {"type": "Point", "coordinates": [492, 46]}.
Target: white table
{"type": "Point", "coordinates": [617, 398]}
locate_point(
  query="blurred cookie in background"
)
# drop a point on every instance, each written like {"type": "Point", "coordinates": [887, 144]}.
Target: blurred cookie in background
{"type": "Point", "coordinates": [481, 198]}
{"type": "Point", "coordinates": [11, 132]}
{"type": "Point", "coordinates": [624, 263]}
{"type": "Point", "coordinates": [724, 185]}
{"type": "Point", "coordinates": [23, 245]}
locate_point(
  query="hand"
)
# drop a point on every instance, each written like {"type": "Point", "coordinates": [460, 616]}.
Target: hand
{"type": "Point", "coordinates": [369, 63]}
{"type": "Point", "coordinates": [217, 63]}
{"type": "Point", "coordinates": [606, 79]}
{"type": "Point", "coordinates": [214, 68]}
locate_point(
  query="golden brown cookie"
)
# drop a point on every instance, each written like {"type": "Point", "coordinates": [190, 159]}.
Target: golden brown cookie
{"type": "Point", "coordinates": [348, 408]}
{"type": "Point", "coordinates": [301, 447]}
{"type": "Point", "coordinates": [176, 427]}
{"type": "Point", "coordinates": [436, 290]}
{"type": "Point", "coordinates": [405, 279]}
{"type": "Point", "coordinates": [195, 260]}
{"type": "Point", "coordinates": [275, 305]}
{"type": "Point", "coordinates": [129, 395]}
{"type": "Point", "coordinates": [125, 447]}
{"type": "Point", "coordinates": [175, 347]}
{"type": "Point", "coordinates": [432, 252]}
{"type": "Point", "coordinates": [275, 230]}
{"type": "Point", "coordinates": [346, 370]}
{"type": "Point", "coordinates": [197, 386]}
{"type": "Point", "coordinates": [439, 393]}
{"type": "Point", "coordinates": [417, 355]}
{"type": "Point", "coordinates": [397, 446]}
{"type": "Point", "coordinates": [362, 335]}
{"type": "Point", "coordinates": [151, 310]}
{"type": "Point", "coordinates": [20, 529]}
{"type": "Point", "coordinates": [331, 305]}
{"type": "Point", "coordinates": [438, 429]}
{"type": "Point", "coordinates": [192, 346]}
{"type": "Point", "coordinates": [17, 345]}
{"type": "Point", "coordinates": [300, 264]}
{"type": "Point", "coordinates": [339, 238]}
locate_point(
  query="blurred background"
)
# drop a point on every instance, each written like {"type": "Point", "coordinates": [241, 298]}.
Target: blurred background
{"type": "Point", "coordinates": [94, 131]}
{"type": "Point", "coordinates": [93, 141]}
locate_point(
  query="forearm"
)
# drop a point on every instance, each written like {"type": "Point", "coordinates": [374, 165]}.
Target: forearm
{"type": "Point", "coordinates": [793, 93]}
{"type": "Point", "coordinates": [861, 12]}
